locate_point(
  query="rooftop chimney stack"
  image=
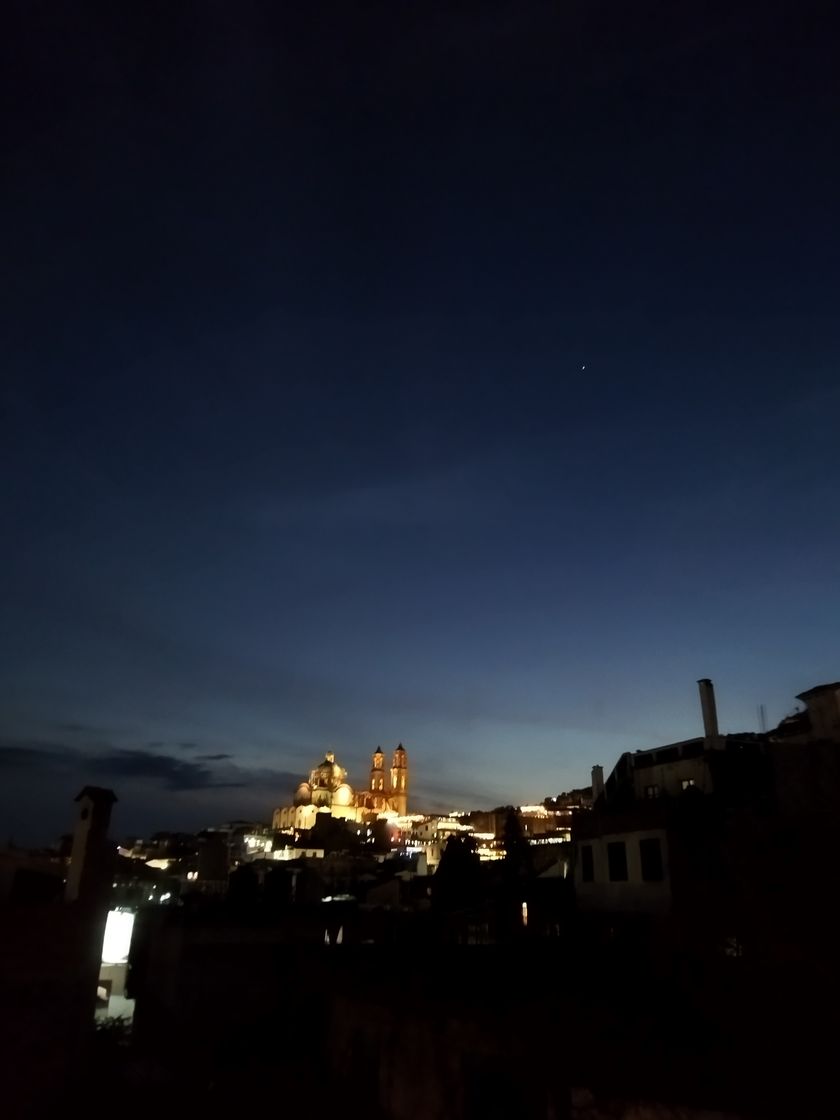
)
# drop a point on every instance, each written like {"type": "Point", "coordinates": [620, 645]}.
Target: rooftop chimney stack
{"type": "Point", "coordinates": [597, 782]}
{"type": "Point", "coordinates": [92, 856]}
{"type": "Point", "coordinates": [710, 721]}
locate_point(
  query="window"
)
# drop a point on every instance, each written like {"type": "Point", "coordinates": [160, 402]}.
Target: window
{"type": "Point", "coordinates": [651, 792]}
{"type": "Point", "coordinates": [587, 864]}
{"type": "Point", "coordinates": [732, 947]}
{"type": "Point", "coordinates": [617, 861]}
{"type": "Point", "coordinates": [650, 851]}
{"type": "Point", "coordinates": [687, 783]}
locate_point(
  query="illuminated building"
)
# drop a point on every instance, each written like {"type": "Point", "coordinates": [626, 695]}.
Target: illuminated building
{"type": "Point", "coordinates": [111, 998]}
{"type": "Point", "coordinates": [399, 781]}
{"type": "Point", "coordinates": [540, 824]}
{"type": "Point", "coordinates": [328, 791]}
{"type": "Point", "coordinates": [545, 826]}
{"type": "Point", "coordinates": [428, 835]}
{"type": "Point", "coordinates": [387, 792]}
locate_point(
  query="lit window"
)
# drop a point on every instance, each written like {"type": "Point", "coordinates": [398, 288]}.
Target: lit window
{"type": "Point", "coordinates": [687, 783]}
{"type": "Point", "coordinates": [117, 941]}
{"type": "Point", "coordinates": [651, 792]}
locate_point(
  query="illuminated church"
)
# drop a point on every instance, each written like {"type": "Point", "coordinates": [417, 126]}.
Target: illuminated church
{"type": "Point", "coordinates": [327, 791]}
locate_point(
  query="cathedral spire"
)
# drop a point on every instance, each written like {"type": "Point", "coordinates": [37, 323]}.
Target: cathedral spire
{"type": "Point", "coordinates": [377, 772]}
{"type": "Point", "coordinates": [399, 780]}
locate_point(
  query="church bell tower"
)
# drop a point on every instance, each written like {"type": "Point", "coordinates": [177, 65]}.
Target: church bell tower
{"type": "Point", "coordinates": [399, 781]}
{"type": "Point", "coordinates": [377, 773]}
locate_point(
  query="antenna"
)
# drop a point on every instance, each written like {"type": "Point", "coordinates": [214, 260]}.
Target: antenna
{"type": "Point", "coordinates": [762, 719]}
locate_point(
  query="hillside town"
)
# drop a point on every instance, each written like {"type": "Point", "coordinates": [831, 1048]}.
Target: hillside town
{"type": "Point", "coordinates": [706, 855]}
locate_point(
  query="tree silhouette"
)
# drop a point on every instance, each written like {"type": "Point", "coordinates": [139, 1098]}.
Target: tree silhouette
{"type": "Point", "coordinates": [518, 864]}
{"type": "Point", "coordinates": [332, 834]}
{"type": "Point", "coordinates": [381, 836]}
{"type": "Point", "coordinates": [455, 885]}
{"type": "Point", "coordinates": [243, 888]}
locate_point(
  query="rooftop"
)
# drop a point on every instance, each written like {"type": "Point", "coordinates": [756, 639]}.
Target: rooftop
{"type": "Point", "coordinates": [818, 689]}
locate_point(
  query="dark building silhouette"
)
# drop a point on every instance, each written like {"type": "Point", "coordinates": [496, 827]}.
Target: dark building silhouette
{"type": "Point", "coordinates": [727, 838]}
{"type": "Point", "coordinates": [50, 953]}
{"type": "Point", "coordinates": [91, 856]}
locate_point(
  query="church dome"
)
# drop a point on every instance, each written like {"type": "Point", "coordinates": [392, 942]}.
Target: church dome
{"type": "Point", "coordinates": [323, 775]}
{"type": "Point", "coordinates": [343, 795]}
{"type": "Point", "coordinates": [303, 794]}
{"type": "Point", "coordinates": [328, 775]}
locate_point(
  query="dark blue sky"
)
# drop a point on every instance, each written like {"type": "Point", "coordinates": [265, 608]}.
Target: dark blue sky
{"type": "Point", "coordinates": [465, 376]}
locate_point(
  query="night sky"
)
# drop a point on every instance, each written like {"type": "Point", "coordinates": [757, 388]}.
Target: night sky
{"type": "Point", "coordinates": [465, 376]}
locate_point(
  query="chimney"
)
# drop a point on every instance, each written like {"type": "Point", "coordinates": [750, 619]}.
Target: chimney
{"type": "Point", "coordinates": [597, 782]}
{"type": "Point", "coordinates": [92, 857]}
{"type": "Point", "coordinates": [710, 723]}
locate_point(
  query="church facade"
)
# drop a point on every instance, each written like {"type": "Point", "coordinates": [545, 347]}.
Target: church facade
{"type": "Point", "coordinates": [328, 791]}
